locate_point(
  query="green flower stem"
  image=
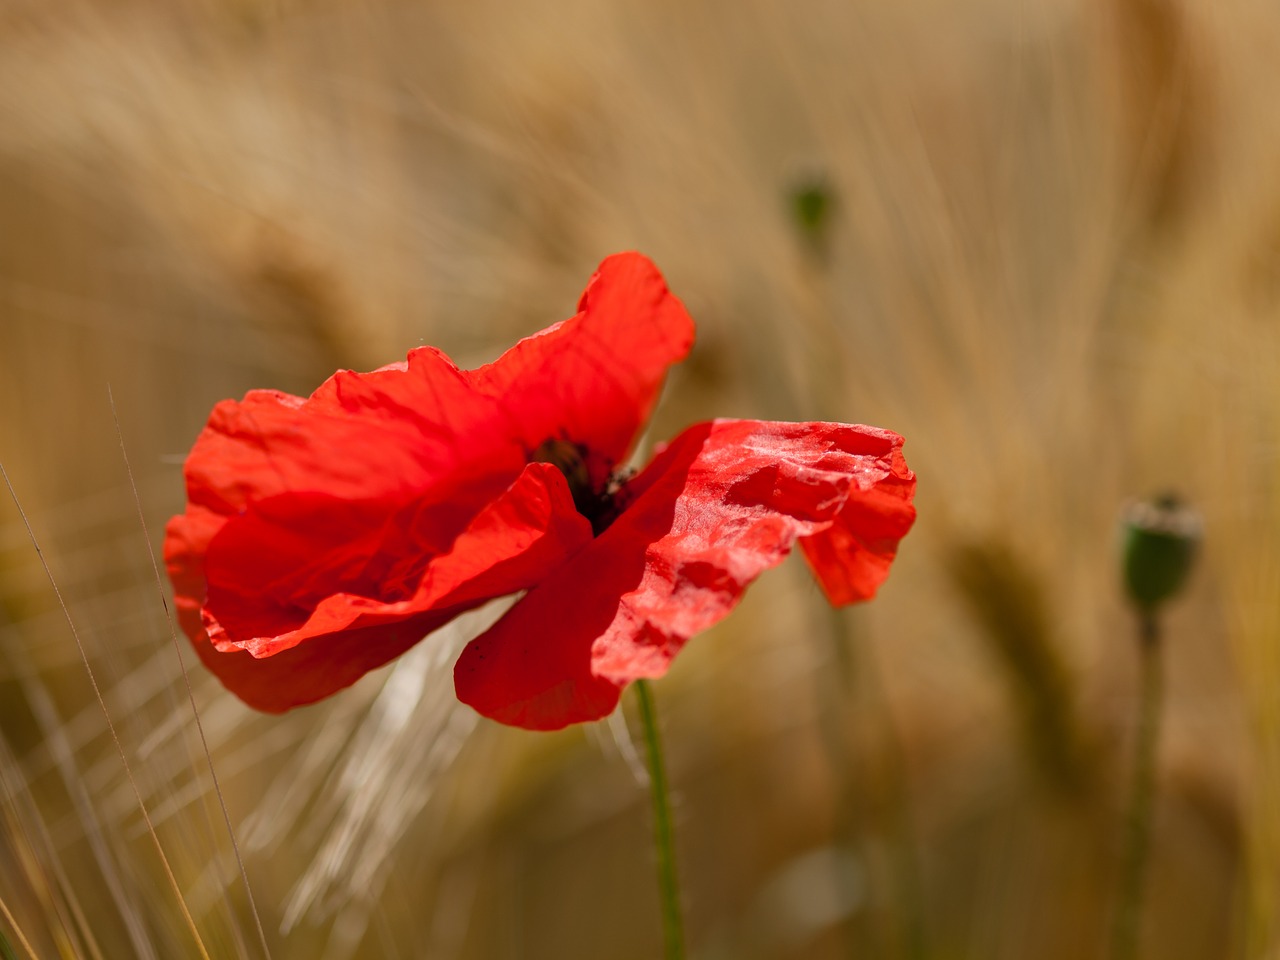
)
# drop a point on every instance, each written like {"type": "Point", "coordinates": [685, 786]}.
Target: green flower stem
{"type": "Point", "coordinates": [1133, 866]}
{"type": "Point", "coordinates": [663, 834]}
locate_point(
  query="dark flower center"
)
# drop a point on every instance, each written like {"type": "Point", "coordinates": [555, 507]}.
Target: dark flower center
{"type": "Point", "coordinates": [600, 506]}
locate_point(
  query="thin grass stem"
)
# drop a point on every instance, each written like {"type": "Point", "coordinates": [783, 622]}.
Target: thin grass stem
{"type": "Point", "coordinates": [106, 714]}
{"type": "Point", "coordinates": [6, 950]}
{"type": "Point", "coordinates": [186, 680]}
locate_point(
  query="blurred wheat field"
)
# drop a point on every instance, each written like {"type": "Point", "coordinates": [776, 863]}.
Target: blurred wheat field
{"type": "Point", "coordinates": [1051, 261]}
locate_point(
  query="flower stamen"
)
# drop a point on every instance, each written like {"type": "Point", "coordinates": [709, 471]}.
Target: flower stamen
{"type": "Point", "coordinates": [597, 505]}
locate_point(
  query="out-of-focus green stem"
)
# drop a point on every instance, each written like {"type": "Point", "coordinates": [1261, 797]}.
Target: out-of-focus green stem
{"type": "Point", "coordinates": [1137, 824]}
{"type": "Point", "coordinates": [663, 833]}
{"type": "Point", "coordinates": [872, 787]}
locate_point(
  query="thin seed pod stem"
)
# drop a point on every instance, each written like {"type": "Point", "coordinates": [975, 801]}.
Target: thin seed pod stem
{"type": "Point", "coordinates": [1137, 823]}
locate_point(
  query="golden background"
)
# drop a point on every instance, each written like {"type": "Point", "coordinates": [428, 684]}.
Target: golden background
{"type": "Point", "coordinates": [1050, 259]}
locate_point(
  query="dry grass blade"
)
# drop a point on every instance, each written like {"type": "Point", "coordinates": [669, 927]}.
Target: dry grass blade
{"type": "Point", "coordinates": [42, 870]}
{"type": "Point", "coordinates": [63, 760]}
{"type": "Point", "coordinates": [186, 679]}
{"type": "Point", "coordinates": [75, 633]}
{"type": "Point", "coordinates": [17, 931]}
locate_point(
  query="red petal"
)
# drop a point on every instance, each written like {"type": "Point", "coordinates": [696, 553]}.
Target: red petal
{"type": "Point", "coordinates": [724, 502]}
{"type": "Point", "coordinates": [412, 432]}
{"type": "Point", "coordinates": [594, 378]}
{"type": "Point", "coordinates": [851, 558]}
{"type": "Point", "coordinates": [508, 546]}
{"type": "Point", "coordinates": [351, 492]}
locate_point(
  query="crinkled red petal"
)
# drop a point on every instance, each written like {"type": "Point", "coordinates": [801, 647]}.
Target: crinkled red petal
{"type": "Point", "coordinates": [851, 558]}
{"type": "Point", "coordinates": [722, 503]}
{"type": "Point", "coordinates": [509, 545]}
{"type": "Point", "coordinates": [353, 491]}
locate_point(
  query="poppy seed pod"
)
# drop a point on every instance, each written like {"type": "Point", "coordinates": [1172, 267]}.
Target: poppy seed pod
{"type": "Point", "coordinates": [811, 203]}
{"type": "Point", "coordinates": [1160, 540]}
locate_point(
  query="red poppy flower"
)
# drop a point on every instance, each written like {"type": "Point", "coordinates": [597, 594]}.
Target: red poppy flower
{"type": "Point", "coordinates": [324, 537]}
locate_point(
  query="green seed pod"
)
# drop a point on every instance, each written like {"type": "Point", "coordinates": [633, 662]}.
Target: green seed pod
{"type": "Point", "coordinates": [1160, 541]}
{"type": "Point", "coordinates": [812, 200]}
